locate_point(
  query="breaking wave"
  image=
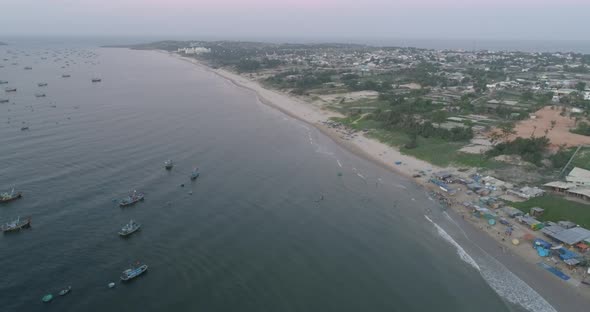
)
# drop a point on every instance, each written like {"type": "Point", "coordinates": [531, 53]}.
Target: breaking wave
{"type": "Point", "coordinates": [505, 283]}
{"type": "Point", "coordinates": [460, 251]}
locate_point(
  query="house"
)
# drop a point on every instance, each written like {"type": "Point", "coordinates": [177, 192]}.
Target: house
{"type": "Point", "coordinates": [582, 192]}
{"type": "Point", "coordinates": [579, 176]}
{"type": "Point", "coordinates": [566, 224]}
{"type": "Point", "coordinates": [533, 223]}
{"type": "Point", "coordinates": [527, 192]}
{"type": "Point", "coordinates": [552, 230]}
{"type": "Point", "coordinates": [573, 236]}
{"type": "Point", "coordinates": [512, 212]}
{"type": "Point", "coordinates": [559, 186]}
{"type": "Point", "coordinates": [537, 211]}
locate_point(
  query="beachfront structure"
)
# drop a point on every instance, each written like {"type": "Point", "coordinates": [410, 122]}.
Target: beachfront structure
{"type": "Point", "coordinates": [512, 212]}
{"type": "Point", "coordinates": [531, 222]}
{"type": "Point", "coordinates": [537, 211]}
{"type": "Point", "coordinates": [578, 176]}
{"type": "Point", "coordinates": [527, 192]}
{"type": "Point", "coordinates": [570, 237]}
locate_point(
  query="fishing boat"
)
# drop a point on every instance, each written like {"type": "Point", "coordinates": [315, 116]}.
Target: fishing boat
{"type": "Point", "coordinates": [23, 128]}
{"type": "Point", "coordinates": [10, 89]}
{"type": "Point", "coordinates": [132, 199]}
{"type": "Point", "coordinates": [195, 174]}
{"type": "Point", "coordinates": [28, 67]}
{"type": "Point", "coordinates": [16, 225]}
{"type": "Point", "coordinates": [65, 291]}
{"type": "Point", "coordinates": [65, 76]}
{"type": "Point", "coordinates": [168, 164]}
{"type": "Point", "coordinates": [47, 298]}
{"type": "Point", "coordinates": [7, 197]}
{"type": "Point", "coordinates": [39, 95]}
{"type": "Point", "coordinates": [4, 100]}
{"type": "Point", "coordinates": [42, 84]}
{"type": "Point", "coordinates": [3, 82]}
{"type": "Point", "coordinates": [134, 272]}
{"type": "Point", "coordinates": [130, 228]}
{"type": "Point", "coordinates": [96, 80]}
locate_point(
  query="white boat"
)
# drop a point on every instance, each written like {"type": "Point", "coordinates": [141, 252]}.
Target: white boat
{"type": "Point", "coordinates": [130, 228]}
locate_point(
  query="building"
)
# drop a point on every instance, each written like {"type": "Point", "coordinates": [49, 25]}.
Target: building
{"type": "Point", "coordinates": [577, 185]}
{"type": "Point", "coordinates": [527, 192]}
{"type": "Point", "coordinates": [578, 176]}
{"type": "Point", "coordinates": [512, 212]}
{"type": "Point", "coordinates": [582, 192]}
{"type": "Point", "coordinates": [537, 211]}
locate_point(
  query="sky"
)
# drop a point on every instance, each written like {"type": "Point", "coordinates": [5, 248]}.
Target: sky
{"type": "Point", "coordinates": [300, 19]}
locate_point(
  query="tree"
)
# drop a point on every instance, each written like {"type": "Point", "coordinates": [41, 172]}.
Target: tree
{"type": "Point", "coordinates": [439, 117]}
{"type": "Point", "coordinates": [581, 86]}
{"type": "Point", "coordinates": [507, 130]}
{"type": "Point", "coordinates": [553, 122]}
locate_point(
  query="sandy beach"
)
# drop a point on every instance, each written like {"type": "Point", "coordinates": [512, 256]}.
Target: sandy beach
{"type": "Point", "coordinates": [316, 116]}
{"type": "Point", "coordinates": [521, 260]}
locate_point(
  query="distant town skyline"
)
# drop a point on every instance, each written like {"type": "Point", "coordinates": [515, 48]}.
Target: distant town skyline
{"type": "Point", "coordinates": [313, 19]}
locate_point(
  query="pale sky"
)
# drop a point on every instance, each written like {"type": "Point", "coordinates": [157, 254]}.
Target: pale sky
{"type": "Point", "coordinates": [313, 19]}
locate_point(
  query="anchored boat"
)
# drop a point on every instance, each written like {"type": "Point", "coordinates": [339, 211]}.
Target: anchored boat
{"type": "Point", "coordinates": [42, 84]}
{"type": "Point", "coordinates": [168, 164]}
{"type": "Point", "coordinates": [65, 291]}
{"type": "Point", "coordinates": [132, 199]}
{"type": "Point", "coordinates": [96, 80]}
{"type": "Point", "coordinates": [7, 197]}
{"type": "Point", "coordinates": [134, 272]}
{"type": "Point", "coordinates": [10, 89]}
{"type": "Point", "coordinates": [130, 228]}
{"type": "Point", "coordinates": [16, 225]}
{"type": "Point", "coordinates": [65, 76]}
{"type": "Point", "coordinates": [195, 174]}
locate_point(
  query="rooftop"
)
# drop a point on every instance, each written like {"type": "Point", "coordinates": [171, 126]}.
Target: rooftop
{"type": "Point", "coordinates": [573, 235]}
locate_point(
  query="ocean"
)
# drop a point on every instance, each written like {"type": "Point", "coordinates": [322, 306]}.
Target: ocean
{"type": "Point", "coordinates": [281, 218]}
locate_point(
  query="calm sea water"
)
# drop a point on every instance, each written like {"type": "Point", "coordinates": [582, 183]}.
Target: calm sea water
{"type": "Point", "coordinates": [251, 234]}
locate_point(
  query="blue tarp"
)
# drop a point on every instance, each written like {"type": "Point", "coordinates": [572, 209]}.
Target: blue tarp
{"type": "Point", "coordinates": [442, 185]}
{"type": "Point", "coordinates": [541, 243]}
{"type": "Point", "coordinates": [565, 254]}
{"type": "Point", "coordinates": [542, 251]}
{"type": "Point", "coordinates": [553, 270]}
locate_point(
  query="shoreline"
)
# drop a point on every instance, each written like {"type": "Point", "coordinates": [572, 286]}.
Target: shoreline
{"type": "Point", "coordinates": [360, 145]}
{"type": "Point", "coordinates": [569, 298]}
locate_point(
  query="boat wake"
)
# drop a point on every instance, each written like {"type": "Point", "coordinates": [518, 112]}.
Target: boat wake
{"type": "Point", "coordinates": [505, 283]}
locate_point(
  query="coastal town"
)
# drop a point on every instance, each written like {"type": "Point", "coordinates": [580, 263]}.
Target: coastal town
{"type": "Point", "coordinates": [501, 138]}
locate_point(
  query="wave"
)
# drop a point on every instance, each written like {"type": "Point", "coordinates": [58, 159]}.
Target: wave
{"type": "Point", "coordinates": [505, 283]}
{"type": "Point", "coordinates": [460, 251]}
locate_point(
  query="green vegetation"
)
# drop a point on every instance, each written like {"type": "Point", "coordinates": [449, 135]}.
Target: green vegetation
{"type": "Point", "coordinates": [581, 160]}
{"type": "Point", "coordinates": [530, 149]}
{"type": "Point", "coordinates": [558, 208]}
{"type": "Point", "coordinates": [583, 128]}
{"type": "Point", "coordinates": [436, 151]}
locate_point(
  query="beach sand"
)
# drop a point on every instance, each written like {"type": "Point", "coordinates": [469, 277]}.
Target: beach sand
{"type": "Point", "coordinates": [520, 260]}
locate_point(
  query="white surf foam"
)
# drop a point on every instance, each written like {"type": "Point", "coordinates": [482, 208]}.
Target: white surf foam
{"type": "Point", "coordinates": [460, 251]}
{"type": "Point", "coordinates": [505, 283]}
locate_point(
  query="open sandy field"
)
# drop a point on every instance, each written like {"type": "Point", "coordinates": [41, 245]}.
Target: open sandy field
{"type": "Point", "coordinates": [559, 134]}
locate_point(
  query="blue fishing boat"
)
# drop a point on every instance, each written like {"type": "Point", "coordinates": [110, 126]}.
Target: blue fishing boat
{"type": "Point", "coordinates": [134, 272]}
